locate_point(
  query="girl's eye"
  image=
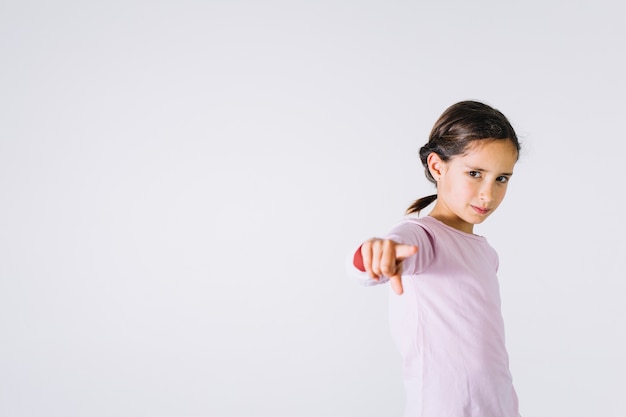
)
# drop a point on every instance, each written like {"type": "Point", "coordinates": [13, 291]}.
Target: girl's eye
{"type": "Point", "coordinates": [474, 174]}
{"type": "Point", "coordinates": [502, 179]}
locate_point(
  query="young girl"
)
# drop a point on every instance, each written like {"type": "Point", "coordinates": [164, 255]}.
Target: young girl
{"type": "Point", "coordinates": [447, 322]}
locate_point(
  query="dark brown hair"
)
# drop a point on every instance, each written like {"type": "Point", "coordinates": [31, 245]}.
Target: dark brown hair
{"type": "Point", "coordinates": [457, 127]}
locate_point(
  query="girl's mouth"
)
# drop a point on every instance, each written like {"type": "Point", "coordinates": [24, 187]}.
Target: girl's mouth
{"type": "Point", "coordinates": [481, 211]}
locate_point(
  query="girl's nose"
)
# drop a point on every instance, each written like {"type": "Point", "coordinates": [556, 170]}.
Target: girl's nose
{"type": "Point", "coordinates": [486, 193]}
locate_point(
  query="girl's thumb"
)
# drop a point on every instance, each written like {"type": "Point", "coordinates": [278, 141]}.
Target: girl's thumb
{"type": "Point", "coordinates": [404, 251]}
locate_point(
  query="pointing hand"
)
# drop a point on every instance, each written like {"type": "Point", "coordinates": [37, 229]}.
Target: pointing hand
{"type": "Point", "coordinates": [383, 257]}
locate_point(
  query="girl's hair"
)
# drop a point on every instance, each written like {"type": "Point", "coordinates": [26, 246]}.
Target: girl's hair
{"type": "Point", "coordinates": [460, 125]}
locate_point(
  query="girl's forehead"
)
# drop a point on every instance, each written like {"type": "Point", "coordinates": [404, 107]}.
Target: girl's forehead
{"type": "Point", "coordinates": [492, 152]}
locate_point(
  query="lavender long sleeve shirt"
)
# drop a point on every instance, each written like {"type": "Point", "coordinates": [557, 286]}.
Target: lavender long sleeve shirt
{"type": "Point", "coordinates": [448, 324]}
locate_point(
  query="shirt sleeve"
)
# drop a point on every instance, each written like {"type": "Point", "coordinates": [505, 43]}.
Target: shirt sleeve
{"type": "Point", "coordinates": [412, 232]}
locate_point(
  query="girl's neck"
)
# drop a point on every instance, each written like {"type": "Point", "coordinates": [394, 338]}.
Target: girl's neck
{"type": "Point", "coordinates": [449, 219]}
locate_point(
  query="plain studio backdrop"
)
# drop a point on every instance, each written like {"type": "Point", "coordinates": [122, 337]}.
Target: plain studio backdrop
{"type": "Point", "coordinates": [182, 181]}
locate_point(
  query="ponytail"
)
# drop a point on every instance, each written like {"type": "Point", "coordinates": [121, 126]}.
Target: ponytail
{"type": "Point", "coordinates": [421, 204]}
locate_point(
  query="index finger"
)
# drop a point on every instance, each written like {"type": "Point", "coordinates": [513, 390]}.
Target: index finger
{"type": "Point", "coordinates": [396, 284]}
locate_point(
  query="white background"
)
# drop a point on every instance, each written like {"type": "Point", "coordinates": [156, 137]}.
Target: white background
{"type": "Point", "coordinates": [181, 182]}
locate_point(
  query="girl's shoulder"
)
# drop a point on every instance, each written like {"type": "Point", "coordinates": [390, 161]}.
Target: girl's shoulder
{"type": "Point", "coordinates": [427, 229]}
{"type": "Point", "coordinates": [439, 228]}
{"type": "Point", "coordinates": [414, 231]}
{"type": "Point", "coordinates": [425, 224]}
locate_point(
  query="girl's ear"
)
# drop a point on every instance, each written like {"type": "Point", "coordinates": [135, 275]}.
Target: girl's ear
{"type": "Point", "coordinates": [436, 165]}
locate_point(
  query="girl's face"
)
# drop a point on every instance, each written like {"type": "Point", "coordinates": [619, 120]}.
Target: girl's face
{"type": "Point", "coordinates": [471, 186]}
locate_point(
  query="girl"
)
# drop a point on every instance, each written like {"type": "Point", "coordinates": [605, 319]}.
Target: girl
{"type": "Point", "coordinates": [447, 324]}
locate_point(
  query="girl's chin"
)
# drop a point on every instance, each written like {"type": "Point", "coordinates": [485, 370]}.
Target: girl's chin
{"type": "Point", "coordinates": [476, 219]}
